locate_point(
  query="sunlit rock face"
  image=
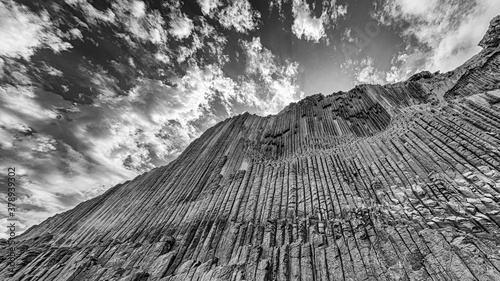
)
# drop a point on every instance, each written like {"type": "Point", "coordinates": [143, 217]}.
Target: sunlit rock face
{"type": "Point", "coordinates": [393, 182]}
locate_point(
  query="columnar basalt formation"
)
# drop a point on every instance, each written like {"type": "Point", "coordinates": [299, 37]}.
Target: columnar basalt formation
{"type": "Point", "coordinates": [394, 182]}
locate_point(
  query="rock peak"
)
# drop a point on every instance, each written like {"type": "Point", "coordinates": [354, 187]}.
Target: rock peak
{"type": "Point", "coordinates": [492, 36]}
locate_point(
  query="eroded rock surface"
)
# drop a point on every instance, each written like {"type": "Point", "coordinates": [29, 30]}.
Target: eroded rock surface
{"type": "Point", "coordinates": [491, 38]}
{"type": "Point", "coordinates": [394, 182]}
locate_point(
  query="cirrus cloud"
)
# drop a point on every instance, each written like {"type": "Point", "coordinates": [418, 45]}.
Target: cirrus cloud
{"type": "Point", "coordinates": [439, 35]}
{"type": "Point", "coordinates": [23, 31]}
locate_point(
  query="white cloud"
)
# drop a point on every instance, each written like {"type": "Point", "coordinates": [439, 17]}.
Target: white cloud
{"type": "Point", "coordinates": [203, 36]}
{"type": "Point", "coordinates": [348, 35]}
{"type": "Point", "coordinates": [94, 16]}
{"type": "Point", "coordinates": [23, 103]}
{"type": "Point", "coordinates": [404, 65]}
{"type": "Point", "coordinates": [157, 108]}
{"type": "Point", "coordinates": [332, 12]}
{"type": "Point", "coordinates": [368, 73]}
{"type": "Point", "coordinates": [52, 175]}
{"type": "Point", "coordinates": [304, 24]}
{"type": "Point", "coordinates": [162, 57]}
{"type": "Point", "coordinates": [132, 128]}
{"type": "Point", "coordinates": [449, 30]}
{"type": "Point", "coordinates": [76, 33]}
{"type": "Point", "coordinates": [278, 4]}
{"type": "Point", "coordinates": [120, 136]}
{"type": "Point", "coordinates": [259, 59]}
{"type": "Point", "coordinates": [138, 9]}
{"type": "Point", "coordinates": [23, 31]}
{"type": "Point", "coordinates": [147, 26]}
{"type": "Point", "coordinates": [2, 64]}
{"type": "Point", "coordinates": [18, 31]}
{"type": "Point", "coordinates": [277, 88]}
{"type": "Point", "coordinates": [207, 6]}
{"type": "Point", "coordinates": [239, 16]}
{"type": "Point", "coordinates": [341, 10]}
{"type": "Point", "coordinates": [181, 26]}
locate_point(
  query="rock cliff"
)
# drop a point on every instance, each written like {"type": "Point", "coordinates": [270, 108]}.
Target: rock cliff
{"type": "Point", "coordinates": [393, 182]}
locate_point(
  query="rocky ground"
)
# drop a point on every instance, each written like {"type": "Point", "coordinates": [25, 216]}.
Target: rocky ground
{"type": "Point", "coordinates": [394, 182]}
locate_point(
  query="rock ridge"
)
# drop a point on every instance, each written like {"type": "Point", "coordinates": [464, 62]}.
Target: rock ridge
{"type": "Point", "coordinates": [382, 182]}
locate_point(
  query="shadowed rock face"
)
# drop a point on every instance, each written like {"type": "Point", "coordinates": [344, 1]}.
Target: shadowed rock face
{"type": "Point", "coordinates": [491, 38]}
{"type": "Point", "coordinates": [394, 182]}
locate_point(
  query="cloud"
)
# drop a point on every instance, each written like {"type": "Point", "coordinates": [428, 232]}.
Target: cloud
{"type": "Point", "coordinates": [154, 122]}
{"type": "Point", "coordinates": [347, 36]}
{"type": "Point", "coordinates": [23, 31]}
{"type": "Point", "coordinates": [181, 26]}
{"type": "Point", "coordinates": [304, 24]}
{"type": "Point", "coordinates": [205, 41]}
{"type": "Point", "coordinates": [24, 104]}
{"type": "Point", "coordinates": [112, 140]}
{"type": "Point", "coordinates": [126, 130]}
{"type": "Point", "coordinates": [341, 10]}
{"type": "Point", "coordinates": [446, 33]}
{"type": "Point", "coordinates": [144, 24]}
{"type": "Point", "coordinates": [76, 33]}
{"type": "Point", "coordinates": [138, 9]}
{"type": "Point", "coordinates": [207, 6]}
{"type": "Point", "coordinates": [37, 140]}
{"type": "Point", "coordinates": [276, 86]}
{"type": "Point", "coordinates": [133, 15]}
{"type": "Point", "coordinates": [240, 16]}
{"type": "Point", "coordinates": [367, 73]}
{"type": "Point", "coordinates": [18, 32]}
{"type": "Point", "coordinates": [277, 4]}
{"type": "Point", "coordinates": [53, 142]}
{"type": "Point", "coordinates": [332, 12]}
{"type": "Point", "coordinates": [405, 64]}
{"type": "Point", "coordinates": [130, 128]}
{"type": "Point", "coordinates": [259, 59]}
{"type": "Point", "coordinates": [94, 16]}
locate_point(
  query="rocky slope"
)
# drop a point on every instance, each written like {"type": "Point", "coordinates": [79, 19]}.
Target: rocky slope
{"type": "Point", "coordinates": [394, 182]}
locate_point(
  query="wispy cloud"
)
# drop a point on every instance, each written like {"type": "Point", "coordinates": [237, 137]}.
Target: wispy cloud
{"type": "Point", "coordinates": [53, 141]}
{"type": "Point", "coordinates": [207, 6]}
{"type": "Point", "coordinates": [277, 81]}
{"type": "Point", "coordinates": [181, 26]}
{"type": "Point", "coordinates": [368, 74]}
{"type": "Point", "coordinates": [240, 16]}
{"type": "Point", "coordinates": [47, 155]}
{"type": "Point", "coordinates": [309, 27]}
{"type": "Point", "coordinates": [22, 31]}
{"type": "Point", "coordinates": [444, 34]}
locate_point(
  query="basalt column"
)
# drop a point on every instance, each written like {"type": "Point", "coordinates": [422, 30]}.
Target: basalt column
{"type": "Point", "coordinates": [393, 182]}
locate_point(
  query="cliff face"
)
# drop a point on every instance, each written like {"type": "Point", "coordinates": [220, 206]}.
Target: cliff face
{"type": "Point", "coordinates": [491, 38]}
{"type": "Point", "coordinates": [391, 182]}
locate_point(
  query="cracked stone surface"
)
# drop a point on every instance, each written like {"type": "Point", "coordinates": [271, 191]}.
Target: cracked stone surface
{"type": "Point", "coordinates": [393, 182]}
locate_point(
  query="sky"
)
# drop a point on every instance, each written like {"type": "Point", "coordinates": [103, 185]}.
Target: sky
{"type": "Point", "coordinates": [93, 93]}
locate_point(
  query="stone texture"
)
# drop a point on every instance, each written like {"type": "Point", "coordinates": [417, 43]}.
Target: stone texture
{"type": "Point", "coordinates": [492, 38]}
{"type": "Point", "coordinates": [394, 182]}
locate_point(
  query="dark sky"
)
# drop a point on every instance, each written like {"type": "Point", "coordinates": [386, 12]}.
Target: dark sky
{"type": "Point", "coordinates": [93, 93]}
